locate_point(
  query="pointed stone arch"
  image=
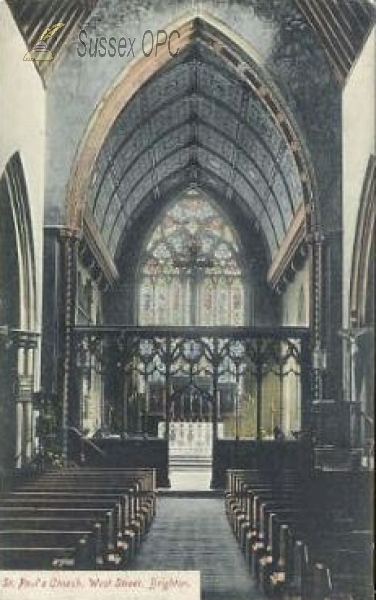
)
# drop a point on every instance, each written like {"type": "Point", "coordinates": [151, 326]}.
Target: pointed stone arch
{"type": "Point", "coordinates": [363, 257]}
{"type": "Point", "coordinates": [16, 191]}
{"type": "Point", "coordinates": [245, 63]}
{"type": "Point", "coordinates": [19, 342]}
{"type": "Point", "coordinates": [239, 57]}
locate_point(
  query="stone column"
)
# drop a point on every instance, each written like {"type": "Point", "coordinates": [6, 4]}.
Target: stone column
{"type": "Point", "coordinates": [326, 321]}
{"type": "Point", "coordinates": [215, 359]}
{"type": "Point", "coordinates": [332, 315]}
{"type": "Point", "coordinates": [69, 397]}
{"type": "Point", "coordinates": [316, 284]}
{"type": "Point", "coordinates": [28, 406]}
{"type": "Point", "coordinates": [25, 343]}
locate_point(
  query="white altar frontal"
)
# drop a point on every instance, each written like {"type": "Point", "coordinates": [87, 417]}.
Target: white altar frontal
{"type": "Point", "coordinates": [189, 438]}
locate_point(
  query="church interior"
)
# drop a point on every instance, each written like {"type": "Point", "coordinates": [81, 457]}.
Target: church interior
{"type": "Point", "coordinates": [187, 292]}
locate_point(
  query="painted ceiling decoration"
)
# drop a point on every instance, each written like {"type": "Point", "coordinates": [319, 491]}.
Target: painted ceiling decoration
{"type": "Point", "coordinates": [196, 123]}
{"type": "Point", "coordinates": [340, 26]}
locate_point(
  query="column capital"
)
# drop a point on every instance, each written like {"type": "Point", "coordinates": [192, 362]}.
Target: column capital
{"type": "Point", "coordinates": [67, 233]}
{"type": "Point", "coordinates": [19, 338]}
{"type": "Point", "coordinates": [26, 339]}
{"type": "Point", "coordinates": [315, 238]}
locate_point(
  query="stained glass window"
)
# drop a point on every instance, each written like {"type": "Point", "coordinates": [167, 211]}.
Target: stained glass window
{"type": "Point", "coordinates": [190, 271]}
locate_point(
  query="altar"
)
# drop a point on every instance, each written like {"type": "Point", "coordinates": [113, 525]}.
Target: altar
{"type": "Point", "coordinates": [189, 438]}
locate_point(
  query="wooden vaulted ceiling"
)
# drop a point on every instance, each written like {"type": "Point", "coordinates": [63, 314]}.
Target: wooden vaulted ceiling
{"type": "Point", "coordinates": [341, 26]}
{"type": "Point", "coordinates": [195, 123]}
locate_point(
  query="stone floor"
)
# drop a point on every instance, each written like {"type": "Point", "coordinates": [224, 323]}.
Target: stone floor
{"type": "Point", "coordinates": [193, 534]}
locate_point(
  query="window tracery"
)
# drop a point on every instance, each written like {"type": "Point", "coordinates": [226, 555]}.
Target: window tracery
{"type": "Point", "coordinates": [190, 271]}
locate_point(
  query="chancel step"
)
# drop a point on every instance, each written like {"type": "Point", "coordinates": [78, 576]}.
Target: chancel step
{"type": "Point", "coordinates": [190, 462]}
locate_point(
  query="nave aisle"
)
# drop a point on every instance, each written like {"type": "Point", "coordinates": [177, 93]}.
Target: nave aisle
{"type": "Point", "coordinates": [191, 533]}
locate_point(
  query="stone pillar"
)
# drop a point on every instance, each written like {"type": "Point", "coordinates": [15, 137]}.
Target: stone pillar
{"type": "Point", "coordinates": [29, 430]}
{"type": "Point", "coordinates": [59, 312]}
{"type": "Point", "coordinates": [305, 371]}
{"type": "Point", "coordinates": [315, 241]}
{"type": "Point", "coordinates": [168, 385]}
{"type": "Point", "coordinates": [69, 397]}
{"type": "Point", "coordinates": [19, 435]}
{"type": "Point", "coordinates": [332, 315]}
{"type": "Point", "coordinates": [52, 346]}
{"type": "Point", "coordinates": [215, 365]}
{"type": "Point", "coordinates": [28, 406]}
{"type": "Point", "coordinates": [26, 344]}
{"type": "Point", "coordinates": [326, 321]}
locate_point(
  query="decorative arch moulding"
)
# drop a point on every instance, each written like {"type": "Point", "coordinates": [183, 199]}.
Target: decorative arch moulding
{"type": "Point", "coordinates": [19, 202]}
{"type": "Point", "coordinates": [364, 237]}
{"type": "Point", "coordinates": [241, 58]}
{"type": "Point", "coordinates": [243, 61]}
{"type": "Point", "coordinates": [285, 262]}
{"type": "Point", "coordinates": [105, 268]}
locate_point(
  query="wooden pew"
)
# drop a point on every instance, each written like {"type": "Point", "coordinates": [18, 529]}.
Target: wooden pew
{"type": "Point", "coordinates": [41, 558]}
{"type": "Point", "coordinates": [74, 523]}
{"type": "Point", "coordinates": [20, 549]}
{"type": "Point", "coordinates": [43, 502]}
{"type": "Point", "coordinates": [142, 480]}
{"type": "Point", "coordinates": [331, 566]}
{"type": "Point", "coordinates": [138, 508]}
{"type": "Point", "coordinates": [349, 574]}
{"type": "Point", "coordinates": [297, 527]}
{"type": "Point", "coordinates": [276, 555]}
{"type": "Point", "coordinates": [276, 525]}
{"type": "Point", "coordinates": [125, 529]}
{"type": "Point", "coordinates": [102, 516]}
{"type": "Point", "coordinates": [248, 518]}
{"type": "Point", "coordinates": [251, 498]}
{"type": "Point", "coordinates": [100, 522]}
{"type": "Point", "coordinates": [113, 505]}
{"type": "Point", "coordinates": [259, 541]}
{"type": "Point", "coordinates": [241, 481]}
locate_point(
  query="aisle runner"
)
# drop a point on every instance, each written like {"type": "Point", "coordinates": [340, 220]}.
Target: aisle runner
{"type": "Point", "coordinates": [193, 534]}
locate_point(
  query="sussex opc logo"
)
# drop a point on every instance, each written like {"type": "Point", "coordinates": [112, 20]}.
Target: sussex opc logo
{"type": "Point", "coordinates": [40, 51]}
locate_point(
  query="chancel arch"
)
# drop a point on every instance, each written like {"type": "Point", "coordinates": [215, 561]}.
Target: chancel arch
{"type": "Point", "coordinates": [210, 128]}
{"type": "Point", "coordinates": [176, 128]}
{"type": "Point", "coordinates": [227, 50]}
{"type": "Point", "coordinates": [211, 117]}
